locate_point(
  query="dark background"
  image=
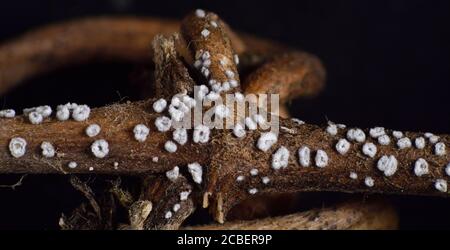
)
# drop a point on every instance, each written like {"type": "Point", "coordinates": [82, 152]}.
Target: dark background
{"type": "Point", "coordinates": [388, 64]}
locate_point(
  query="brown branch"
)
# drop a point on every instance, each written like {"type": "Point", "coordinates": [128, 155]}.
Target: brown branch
{"type": "Point", "coordinates": [373, 215]}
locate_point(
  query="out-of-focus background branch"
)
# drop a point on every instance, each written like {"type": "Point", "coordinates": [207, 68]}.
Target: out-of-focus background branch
{"type": "Point", "coordinates": [387, 64]}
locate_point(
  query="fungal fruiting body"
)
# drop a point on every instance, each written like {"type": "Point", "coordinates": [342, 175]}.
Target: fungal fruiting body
{"type": "Point", "coordinates": [240, 178]}
{"type": "Point", "coordinates": [170, 146]}
{"type": "Point", "coordinates": [447, 169]}
{"type": "Point", "coordinates": [184, 195]}
{"type": "Point", "coordinates": [369, 182]}
{"type": "Point", "coordinates": [441, 185]}
{"type": "Point", "coordinates": [397, 134]}
{"type": "Point", "coordinates": [421, 167]}
{"type": "Point", "coordinates": [62, 113]}
{"type": "Point", "coordinates": [321, 159]}
{"type": "Point", "coordinates": [176, 207]}
{"type": "Point", "coordinates": [201, 134]}
{"type": "Point", "coordinates": [35, 118]}
{"type": "Point", "coordinates": [180, 136]}
{"type": "Point", "coordinates": [159, 105]}
{"type": "Point", "coordinates": [196, 171]}
{"type": "Point", "coordinates": [356, 135]}
{"type": "Point", "coordinates": [239, 130]}
{"type": "Point", "coordinates": [222, 111]}
{"type": "Point", "coordinates": [439, 149]}
{"type": "Point", "coordinates": [404, 142]}
{"type": "Point", "coordinates": [93, 130]}
{"type": "Point", "coordinates": [280, 158]}
{"type": "Point", "coordinates": [388, 165]}
{"type": "Point", "coordinates": [81, 113]}
{"type": "Point", "coordinates": [173, 174]}
{"type": "Point", "coordinates": [168, 215]}
{"type": "Point", "coordinates": [72, 165]}
{"type": "Point", "coordinates": [141, 132]}
{"type": "Point", "coordinates": [420, 142]}
{"type": "Point", "coordinates": [377, 132]}
{"type": "Point", "coordinates": [332, 129]}
{"type": "Point", "coordinates": [163, 123]}
{"type": "Point", "coordinates": [100, 148]}
{"type": "Point", "coordinates": [304, 156]}
{"type": "Point", "coordinates": [369, 149]}
{"type": "Point", "coordinates": [265, 180]}
{"type": "Point", "coordinates": [353, 175]}
{"type": "Point", "coordinates": [384, 140]}
{"type": "Point", "coordinates": [254, 172]}
{"type": "Point", "coordinates": [7, 113]}
{"type": "Point", "coordinates": [250, 123]}
{"type": "Point", "coordinates": [17, 147]}
{"type": "Point", "coordinates": [47, 149]}
{"type": "Point", "coordinates": [266, 140]}
{"type": "Point", "coordinates": [342, 146]}
{"type": "Point", "coordinates": [252, 191]}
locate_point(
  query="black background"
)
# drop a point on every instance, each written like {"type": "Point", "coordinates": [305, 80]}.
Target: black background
{"type": "Point", "coordinates": [388, 64]}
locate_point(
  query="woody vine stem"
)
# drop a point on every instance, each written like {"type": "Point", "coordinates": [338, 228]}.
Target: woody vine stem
{"type": "Point", "coordinates": [211, 168]}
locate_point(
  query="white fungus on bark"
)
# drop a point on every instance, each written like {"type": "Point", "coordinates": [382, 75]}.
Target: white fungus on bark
{"type": "Point", "coordinates": [48, 150]}
{"type": "Point", "coordinates": [176, 207]}
{"type": "Point", "coordinates": [239, 130]}
{"type": "Point", "coordinates": [184, 195]}
{"type": "Point", "coordinates": [332, 129]}
{"type": "Point", "coordinates": [168, 215]}
{"type": "Point", "coordinates": [170, 146]}
{"type": "Point", "coordinates": [388, 165]}
{"type": "Point", "coordinates": [384, 140]}
{"type": "Point", "coordinates": [433, 139]}
{"type": "Point", "coordinates": [196, 171]}
{"type": "Point", "coordinates": [304, 156]}
{"type": "Point", "coordinates": [163, 123]}
{"type": "Point", "coordinates": [439, 149]}
{"type": "Point", "coordinates": [35, 117]}
{"type": "Point", "coordinates": [377, 132]}
{"type": "Point", "coordinates": [420, 142]}
{"type": "Point", "coordinates": [63, 113]}
{"type": "Point", "coordinates": [205, 33]}
{"type": "Point", "coordinates": [7, 113]}
{"type": "Point", "coordinates": [200, 13]}
{"type": "Point", "coordinates": [266, 141]}
{"type": "Point", "coordinates": [280, 158]}
{"type": "Point", "coordinates": [447, 169]}
{"type": "Point", "coordinates": [342, 146]}
{"type": "Point", "coordinates": [421, 167]}
{"type": "Point", "coordinates": [141, 132]}
{"type": "Point", "coordinates": [240, 178]}
{"type": "Point", "coordinates": [155, 159]}
{"type": "Point", "coordinates": [403, 143]}
{"type": "Point", "coordinates": [173, 174]}
{"type": "Point", "coordinates": [254, 172]}
{"type": "Point", "coordinates": [222, 111]}
{"type": "Point", "coordinates": [369, 149]}
{"type": "Point", "coordinates": [250, 123]}
{"type": "Point", "coordinates": [265, 180]}
{"type": "Point", "coordinates": [93, 130]}
{"type": "Point", "coordinates": [441, 185]}
{"type": "Point", "coordinates": [369, 181]}
{"type": "Point", "coordinates": [81, 113]}
{"type": "Point", "coordinates": [353, 176]}
{"type": "Point", "coordinates": [180, 136]}
{"type": "Point", "coordinates": [72, 165]}
{"type": "Point", "coordinates": [397, 134]}
{"type": "Point", "coordinates": [100, 148]}
{"type": "Point", "coordinates": [17, 147]}
{"type": "Point", "coordinates": [321, 159]}
{"type": "Point", "coordinates": [201, 134]}
{"type": "Point", "coordinates": [253, 191]}
{"type": "Point", "coordinates": [159, 105]}
{"type": "Point", "coordinates": [356, 134]}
